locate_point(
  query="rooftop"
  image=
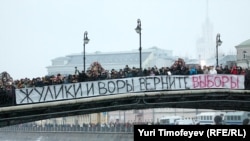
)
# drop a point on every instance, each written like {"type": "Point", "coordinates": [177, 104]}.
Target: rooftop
{"type": "Point", "coordinates": [245, 43]}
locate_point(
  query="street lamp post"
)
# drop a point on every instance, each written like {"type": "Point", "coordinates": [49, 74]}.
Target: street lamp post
{"type": "Point", "coordinates": [85, 41]}
{"type": "Point", "coordinates": [138, 30]}
{"type": "Point", "coordinates": [218, 43]}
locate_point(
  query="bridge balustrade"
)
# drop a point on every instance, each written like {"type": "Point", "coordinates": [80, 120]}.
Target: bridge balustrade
{"type": "Point", "coordinates": [61, 128]}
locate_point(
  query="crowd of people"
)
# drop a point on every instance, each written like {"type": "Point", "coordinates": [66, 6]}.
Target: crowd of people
{"type": "Point", "coordinates": [97, 72]}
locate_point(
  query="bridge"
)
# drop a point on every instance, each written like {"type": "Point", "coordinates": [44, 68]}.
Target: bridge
{"type": "Point", "coordinates": [217, 99]}
{"type": "Point", "coordinates": [218, 92]}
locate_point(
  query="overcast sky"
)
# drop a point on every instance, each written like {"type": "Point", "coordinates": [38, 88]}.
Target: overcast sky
{"type": "Point", "coordinates": [33, 32]}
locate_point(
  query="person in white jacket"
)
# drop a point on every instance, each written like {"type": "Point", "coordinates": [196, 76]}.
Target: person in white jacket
{"type": "Point", "coordinates": [212, 70]}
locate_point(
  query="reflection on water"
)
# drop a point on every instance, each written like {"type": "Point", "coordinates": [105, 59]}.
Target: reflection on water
{"type": "Point", "coordinates": [119, 132]}
{"type": "Point", "coordinates": [40, 138]}
{"type": "Point", "coordinates": [64, 136]}
{"type": "Point", "coordinates": [18, 136]}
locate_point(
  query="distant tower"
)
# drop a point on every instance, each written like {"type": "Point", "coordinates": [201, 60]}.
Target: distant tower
{"type": "Point", "coordinates": [205, 46]}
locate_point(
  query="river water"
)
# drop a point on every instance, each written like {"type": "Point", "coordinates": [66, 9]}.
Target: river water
{"type": "Point", "coordinates": [64, 136]}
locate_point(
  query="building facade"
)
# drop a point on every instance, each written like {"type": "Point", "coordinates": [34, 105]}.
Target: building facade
{"type": "Point", "coordinates": [243, 54]}
{"type": "Point", "coordinates": [112, 60]}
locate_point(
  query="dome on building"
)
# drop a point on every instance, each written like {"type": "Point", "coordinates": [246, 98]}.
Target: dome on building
{"type": "Point", "coordinates": [245, 43]}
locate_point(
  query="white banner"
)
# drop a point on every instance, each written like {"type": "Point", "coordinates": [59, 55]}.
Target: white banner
{"type": "Point", "coordinates": [127, 85]}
